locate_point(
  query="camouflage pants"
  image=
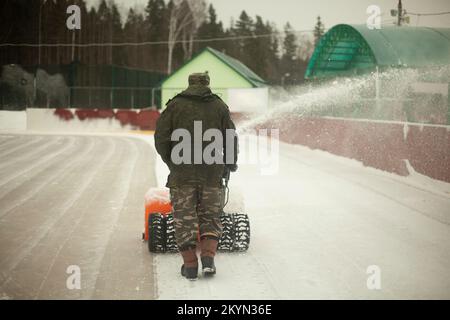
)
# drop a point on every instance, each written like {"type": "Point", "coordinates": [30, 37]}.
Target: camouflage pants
{"type": "Point", "coordinates": [195, 209]}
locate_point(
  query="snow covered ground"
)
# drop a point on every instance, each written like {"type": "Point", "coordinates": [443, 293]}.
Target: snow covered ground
{"type": "Point", "coordinates": [317, 225]}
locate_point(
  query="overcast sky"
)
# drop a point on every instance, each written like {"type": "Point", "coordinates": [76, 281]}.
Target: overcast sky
{"type": "Point", "coordinates": [302, 13]}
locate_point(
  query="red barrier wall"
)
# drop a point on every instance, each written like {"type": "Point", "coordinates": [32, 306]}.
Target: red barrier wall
{"type": "Point", "coordinates": [140, 119]}
{"type": "Point", "coordinates": [382, 145]}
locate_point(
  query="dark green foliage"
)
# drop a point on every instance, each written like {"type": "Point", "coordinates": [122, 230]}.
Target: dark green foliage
{"type": "Point", "coordinates": [255, 42]}
{"type": "Point", "coordinates": [319, 30]}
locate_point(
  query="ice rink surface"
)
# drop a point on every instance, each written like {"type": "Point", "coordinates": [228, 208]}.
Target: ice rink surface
{"type": "Point", "coordinates": [317, 225]}
{"type": "Point", "coordinates": [74, 200]}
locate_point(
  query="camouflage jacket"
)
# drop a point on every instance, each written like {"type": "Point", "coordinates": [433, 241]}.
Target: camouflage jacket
{"type": "Point", "coordinates": [197, 103]}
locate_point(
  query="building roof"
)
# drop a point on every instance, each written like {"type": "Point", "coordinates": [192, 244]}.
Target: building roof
{"type": "Point", "coordinates": [350, 49]}
{"type": "Point", "coordinates": [239, 67]}
{"type": "Point", "coordinates": [236, 65]}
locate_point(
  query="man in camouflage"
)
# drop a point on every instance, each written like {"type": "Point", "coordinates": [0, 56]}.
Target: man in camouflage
{"type": "Point", "coordinates": [196, 189]}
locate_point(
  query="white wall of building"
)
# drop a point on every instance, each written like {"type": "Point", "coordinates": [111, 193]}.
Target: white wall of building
{"type": "Point", "coordinates": [254, 100]}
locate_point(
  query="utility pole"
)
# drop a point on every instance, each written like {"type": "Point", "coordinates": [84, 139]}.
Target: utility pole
{"type": "Point", "coordinates": [399, 13]}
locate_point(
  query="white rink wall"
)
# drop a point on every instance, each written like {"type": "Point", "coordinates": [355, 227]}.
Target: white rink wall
{"type": "Point", "coordinates": [13, 120]}
{"type": "Point", "coordinates": [46, 120]}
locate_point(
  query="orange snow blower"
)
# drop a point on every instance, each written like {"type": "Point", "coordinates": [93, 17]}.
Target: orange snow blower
{"type": "Point", "coordinates": [159, 229]}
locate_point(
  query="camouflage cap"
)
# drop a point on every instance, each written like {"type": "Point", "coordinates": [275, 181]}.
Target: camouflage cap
{"type": "Point", "coordinates": [199, 79]}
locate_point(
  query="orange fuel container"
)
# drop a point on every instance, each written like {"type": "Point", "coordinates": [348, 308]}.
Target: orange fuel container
{"type": "Point", "coordinates": [157, 200]}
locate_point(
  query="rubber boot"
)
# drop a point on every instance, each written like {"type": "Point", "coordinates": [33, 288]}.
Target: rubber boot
{"type": "Point", "coordinates": [189, 269]}
{"type": "Point", "coordinates": [208, 246]}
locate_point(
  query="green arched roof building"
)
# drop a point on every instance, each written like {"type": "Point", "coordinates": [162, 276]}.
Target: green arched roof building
{"type": "Point", "coordinates": [355, 49]}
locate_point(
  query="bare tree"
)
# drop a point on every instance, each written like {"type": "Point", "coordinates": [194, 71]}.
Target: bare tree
{"type": "Point", "coordinates": [198, 10]}
{"type": "Point", "coordinates": [305, 47]}
{"type": "Point", "coordinates": [186, 16]}
{"type": "Point", "coordinates": [188, 40]}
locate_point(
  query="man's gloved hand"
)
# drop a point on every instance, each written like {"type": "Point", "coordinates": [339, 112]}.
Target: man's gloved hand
{"type": "Point", "coordinates": [232, 167]}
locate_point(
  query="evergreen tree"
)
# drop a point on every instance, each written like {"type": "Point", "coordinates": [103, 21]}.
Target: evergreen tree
{"type": "Point", "coordinates": [156, 29]}
{"type": "Point", "coordinates": [289, 43]}
{"type": "Point", "coordinates": [244, 28]}
{"type": "Point", "coordinates": [273, 70]}
{"type": "Point", "coordinates": [19, 21]}
{"type": "Point", "coordinates": [319, 30]}
{"type": "Point", "coordinates": [156, 18]}
{"type": "Point", "coordinates": [83, 33]}
{"type": "Point", "coordinates": [133, 32]}
{"type": "Point", "coordinates": [92, 36]}
{"type": "Point", "coordinates": [215, 28]}
{"type": "Point", "coordinates": [116, 36]}
{"type": "Point", "coordinates": [229, 45]}
{"type": "Point", "coordinates": [103, 30]}
{"type": "Point", "coordinates": [259, 49]}
{"type": "Point", "coordinates": [289, 57]}
{"type": "Point", "coordinates": [211, 29]}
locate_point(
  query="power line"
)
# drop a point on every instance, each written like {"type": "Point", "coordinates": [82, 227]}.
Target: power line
{"type": "Point", "coordinates": [428, 14]}
{"type": "Point", "coordinates": [145, 43]}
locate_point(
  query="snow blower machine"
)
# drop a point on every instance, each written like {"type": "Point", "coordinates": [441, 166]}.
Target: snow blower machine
{"type": "Point", "coordinates": [159, 229]}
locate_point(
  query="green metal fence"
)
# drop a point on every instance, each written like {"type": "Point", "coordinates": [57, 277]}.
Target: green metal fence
{"type": "Point", "coordinates": [78, 85]}
{"type": "Point", "coordinates": [114, 97]}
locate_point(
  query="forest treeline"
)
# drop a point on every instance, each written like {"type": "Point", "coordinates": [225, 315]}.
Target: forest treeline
{"type": "Point", "coordinates": [173, 29]}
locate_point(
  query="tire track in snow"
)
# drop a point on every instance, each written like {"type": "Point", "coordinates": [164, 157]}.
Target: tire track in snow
{"type": "Point", "coordinates": [349, 259]}
{"type": "Point", "coordinates": [380, 193]}
{"type": "Point", "coordinates": [30, 242]}
{"type": "Point", "coordinates": [7, 140]}
{"type": "Point", "coordinates": [97, 227]}
{"type": "Point", "coordinates": [140, 285]}
{"type": "Point", "coordinates": [30, 174]}
{"type": "Point", "coordinates": [125, 177]}
{"type": "Point", "coordinates": [29, 153]}
{"type": "Point", "coordinates": [236, 278]}
{"type": "Point", "coordinates": [35, 164]}
{"type": "Point", "coordinates": [105, 226]}
{"type": "Point", "coordinates": [30, 142]}
{"type": "Point", "coordinates": [55, 177]}
{"type": "Point", "coordinates": [378, 235]}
